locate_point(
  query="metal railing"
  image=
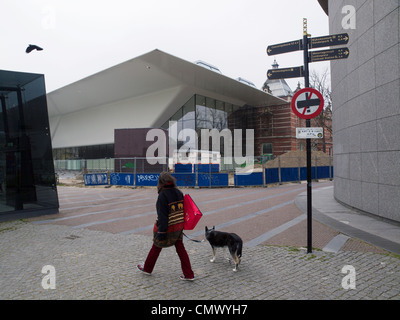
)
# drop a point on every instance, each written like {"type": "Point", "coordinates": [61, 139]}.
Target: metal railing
{"type": "Point", "coordinates": [144, 171]}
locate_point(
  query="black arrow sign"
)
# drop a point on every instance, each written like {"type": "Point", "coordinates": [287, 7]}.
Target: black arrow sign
{"type": "Point", "coordinates": [293, 72]}
{"type": "Point", "coordinates": [284, 47]}
{"type": "Point", "coordinates": [331, 54]}
{"type": "Point", "coordinates": [328, 41]}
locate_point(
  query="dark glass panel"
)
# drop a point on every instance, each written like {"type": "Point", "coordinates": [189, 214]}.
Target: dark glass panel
{"type": "Point", "coordinates": [26, 160]}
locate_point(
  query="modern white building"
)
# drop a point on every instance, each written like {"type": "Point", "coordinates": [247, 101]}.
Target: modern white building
{"type": "Point", "coordinates": [146, 92]}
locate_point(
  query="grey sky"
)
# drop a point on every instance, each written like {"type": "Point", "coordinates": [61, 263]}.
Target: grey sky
{"type": "Point", "coordinates": [87, 36]}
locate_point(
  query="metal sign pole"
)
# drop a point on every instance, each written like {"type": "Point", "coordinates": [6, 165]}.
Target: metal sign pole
{"type": "Point", "coordinates": [308, 104]}
{"type": "Point", "coordinates": [308, 125]}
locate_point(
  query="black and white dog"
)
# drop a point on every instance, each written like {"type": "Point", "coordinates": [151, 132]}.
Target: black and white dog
{"type": "Point", "coordinates": [218, 239]}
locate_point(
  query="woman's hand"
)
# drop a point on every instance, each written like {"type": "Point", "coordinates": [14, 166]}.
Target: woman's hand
{"type": "Point", "coordinates": [161, 236]}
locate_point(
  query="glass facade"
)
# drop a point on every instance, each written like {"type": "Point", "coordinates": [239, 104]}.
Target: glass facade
{"type": "Point", "coordinates": [27, 180]}
{"type": "Point", "coordinates": [198, 113]}
{"type": "Point", "coordinates": [201, 112]}
{"type": "Point", "coordinates": [86, 152]}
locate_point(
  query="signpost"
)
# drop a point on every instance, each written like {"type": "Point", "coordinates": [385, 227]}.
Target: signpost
{"type": "Point", "coordinates": [331, 54]}
{"type": "Point", "coordinates": [308, 102]}
{"type": "Point", "coordinates": [328, 41]}
{"type": "Point", "coordinates": [309, 133]}
{"type": "Point", "coordinates": [284, 47]}
{"type": "Point", "coordinates": [293, 72]}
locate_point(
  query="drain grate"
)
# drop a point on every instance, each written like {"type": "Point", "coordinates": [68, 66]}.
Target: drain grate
{"type": "Point", "coordinates": [72, 237]}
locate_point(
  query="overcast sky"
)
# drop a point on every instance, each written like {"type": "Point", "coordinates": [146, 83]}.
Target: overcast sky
{"type": "Point", "coordinates": [82, 37]}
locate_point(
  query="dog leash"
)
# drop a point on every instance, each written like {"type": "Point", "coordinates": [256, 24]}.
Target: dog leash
{"type": "Point", "coordinates": [192, 239]}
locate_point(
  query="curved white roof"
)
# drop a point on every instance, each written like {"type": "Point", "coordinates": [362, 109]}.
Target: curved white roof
{"type": "Point", "coordinates": [142, 92]}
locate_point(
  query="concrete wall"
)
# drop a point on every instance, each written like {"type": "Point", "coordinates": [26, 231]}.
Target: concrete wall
{"type": "Point", "coordinates": [366, 108]}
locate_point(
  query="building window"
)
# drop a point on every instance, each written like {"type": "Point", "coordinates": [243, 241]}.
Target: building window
{"type": "Point", "coordinates": [201, 112]}
{"type": "Point", "coordinates": [27, 180]}
{"type": "Point", "coordinates": [267, 148]}
{"type": "Point", "coordinates": [85, 152]}
{"type": "Point", "coordinates": [266, 124]}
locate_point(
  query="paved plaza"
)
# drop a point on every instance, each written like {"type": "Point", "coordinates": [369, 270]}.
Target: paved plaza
{"type": "Point", "coordinates": [90, 251]}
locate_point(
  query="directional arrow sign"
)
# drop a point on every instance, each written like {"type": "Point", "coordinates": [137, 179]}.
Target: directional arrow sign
{"type": "Point", "coordinates": [307, 103]}
{"type": "Point", "coordinates": [330, 54]}
{"type": "Point", "coordinates": [328, 41]}
{"type": "Point", "coordinates": [293, 72]}
{"type": "Point", "coordinates": [284, 47]}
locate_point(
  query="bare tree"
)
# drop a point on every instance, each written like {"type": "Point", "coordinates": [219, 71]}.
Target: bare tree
{"type": "Point", "coordinates": [321, 83]}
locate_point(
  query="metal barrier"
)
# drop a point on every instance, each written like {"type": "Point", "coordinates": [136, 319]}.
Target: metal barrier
{"type": "Point", "coordinates": [138, 172]}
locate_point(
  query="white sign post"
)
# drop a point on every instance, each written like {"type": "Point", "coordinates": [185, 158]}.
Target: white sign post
{"type": "Point", "coordinates": [309, 133]}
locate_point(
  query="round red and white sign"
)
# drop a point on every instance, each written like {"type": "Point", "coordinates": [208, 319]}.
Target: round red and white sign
{"type": "Point", "coordinates": [307, 103]}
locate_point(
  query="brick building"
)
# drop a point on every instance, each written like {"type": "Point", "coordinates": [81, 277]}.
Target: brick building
{"type": "Point", "coordinates": [275, 127]}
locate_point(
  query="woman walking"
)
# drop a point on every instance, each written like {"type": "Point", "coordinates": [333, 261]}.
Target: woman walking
{"type": "Point", "coordinates": [168, 228]}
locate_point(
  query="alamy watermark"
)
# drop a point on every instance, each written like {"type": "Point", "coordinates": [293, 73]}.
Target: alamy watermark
{"type": "Point", "coordinates": [232, 145]}
{"type": "Point", "coordinates": [349, 281]}
{"type": "Point", "coordinates": [49, 280]}
{"type": "Point", "coordinates": [349, 20]}
{"type": "Point", "coordinates": [48, 20]}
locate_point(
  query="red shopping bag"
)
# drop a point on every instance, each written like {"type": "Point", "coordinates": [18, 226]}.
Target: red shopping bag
{"type": "Point", "coordinates": [192, 213]}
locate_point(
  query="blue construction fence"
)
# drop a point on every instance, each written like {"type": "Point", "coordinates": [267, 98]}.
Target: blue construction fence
{"type": "Point", "coordinates": [211, 178]}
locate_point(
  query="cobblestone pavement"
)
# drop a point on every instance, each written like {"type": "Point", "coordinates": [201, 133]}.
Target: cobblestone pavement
{"type": "Point", "coordinates": [100, 264]}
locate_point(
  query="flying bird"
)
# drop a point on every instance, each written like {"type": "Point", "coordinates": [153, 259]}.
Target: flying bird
{"type": "Point", "coordinates": [33, 47]}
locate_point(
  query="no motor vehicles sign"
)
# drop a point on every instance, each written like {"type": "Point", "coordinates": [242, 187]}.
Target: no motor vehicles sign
{"type": "Point", "coordinates": [307, 103]}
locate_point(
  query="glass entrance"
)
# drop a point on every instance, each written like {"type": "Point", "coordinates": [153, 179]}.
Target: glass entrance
{"type": "Point", "coordinates": [27, 180]}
